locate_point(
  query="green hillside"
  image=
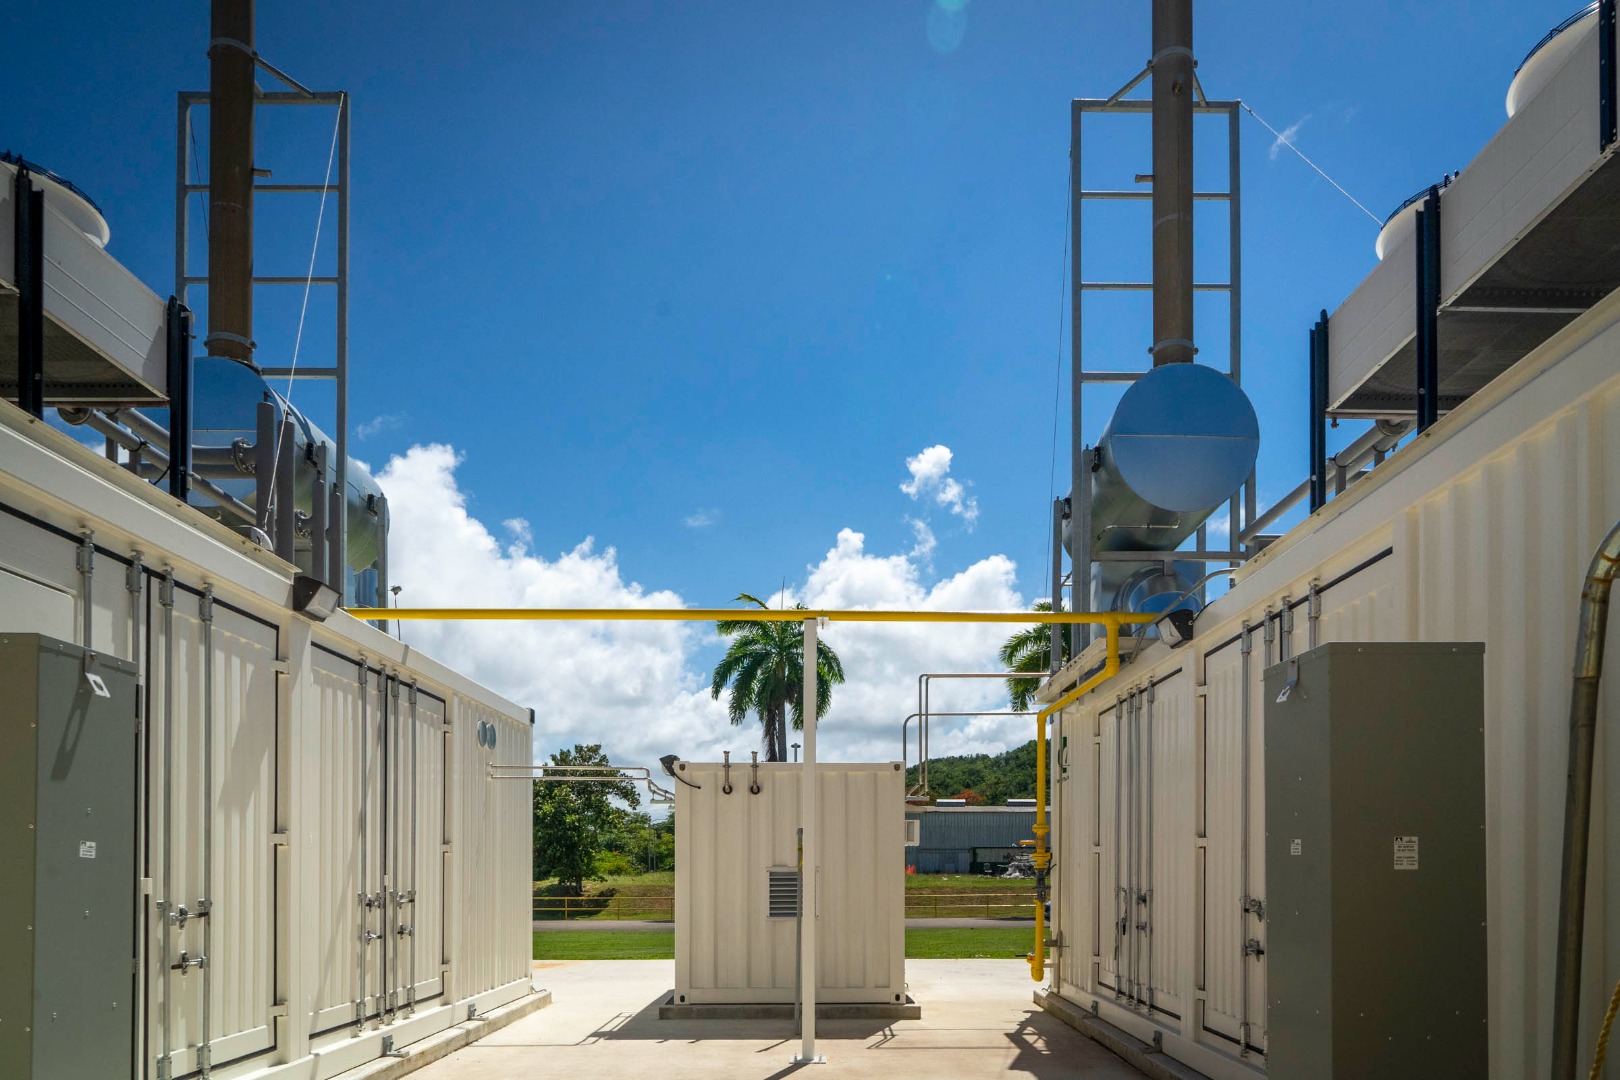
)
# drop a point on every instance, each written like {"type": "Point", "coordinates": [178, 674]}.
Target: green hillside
{"type": "Point", "coordinates": [997, 777]}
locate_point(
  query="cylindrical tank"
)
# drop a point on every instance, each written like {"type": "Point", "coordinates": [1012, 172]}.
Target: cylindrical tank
{"type": "Point", "coordinates": [1182, 441]}
{"type": "Point", "coordinates": [1548, 56]}
{"type": "Point", "coordinates": [226, 397]}
{"type": "Point", "coordinates": [62, 196]}
{"type": "Point", "coordinates": [1400, 224]}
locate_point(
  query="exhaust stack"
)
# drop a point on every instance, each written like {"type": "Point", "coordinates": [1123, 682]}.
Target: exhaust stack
{"type": "Point", "coordinates": [1184, 437]}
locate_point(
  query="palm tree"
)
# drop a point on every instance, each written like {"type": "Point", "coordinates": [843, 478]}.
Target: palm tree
{"type": "Point", "coordinates": [764, 665]}
{"type": "Point", "coordinates": [1030, 649]}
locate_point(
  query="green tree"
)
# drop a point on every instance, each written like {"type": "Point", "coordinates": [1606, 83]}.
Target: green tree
{"type": "Point", "coordinates": [1030, 649]}
{"type": "Point", "coordinates": [764, 667]}
{"type": "Point", "coordinates": [571, 820]}
{"type": "Point", "coordinates": [996, 778]}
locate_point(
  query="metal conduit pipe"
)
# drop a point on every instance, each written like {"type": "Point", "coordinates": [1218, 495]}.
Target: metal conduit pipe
{"type": "Point", "coordinates": [1121, 891]}
{"type": "Point", "coordinates": [1137, 889]}
{"type": "Point", "coordinates": [205, 612]}
{"type": "Point", "coordinates": [416, 850]}
{"type": "Point", "coordinates": [1285, 623]}
{"type": "Point", "coordinates": [1592, 625]}
{"type": "Point", "coordinates": [364, 937]}
{"type": "Point", "coordinates": [391, 890]}
{"type": "Point", "coordinates": [87, 581]}
{"type": "Point", "coordinates": [1246, 651]}
{"type": "Point", "coordinates": [1130, 847]}
{"type": "Point", "coordinates": [1147, 902]}
{"type": "Point", "coordinates": [166, 906]}
{"type": "Point", "coordinates": [1372, 445]}
{"type": "Point", "coordinates": [135, 586]}
{"type": "Point", "coordinates": [156, 460]}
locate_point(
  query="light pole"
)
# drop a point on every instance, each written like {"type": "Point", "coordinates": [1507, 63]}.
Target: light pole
{"type": "Point", "coordinates": [399, 631]}
{"type": "Point", "coordinates": [795, 751]}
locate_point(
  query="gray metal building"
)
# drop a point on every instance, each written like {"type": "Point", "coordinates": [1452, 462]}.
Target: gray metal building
{"type": "Point", "coordinates": [965, 839]}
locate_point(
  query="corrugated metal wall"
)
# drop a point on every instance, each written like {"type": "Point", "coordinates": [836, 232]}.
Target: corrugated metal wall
{"type": "Point", "coordinates": [1481, 531]}
{"type": "Point", "coordinates": [310, 789]}
{"type": "Point", "coordinates": [947, 837]}
{"type": "Point", "coordinates": [726, 948]}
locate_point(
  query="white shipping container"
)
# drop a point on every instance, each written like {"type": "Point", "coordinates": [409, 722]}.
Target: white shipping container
{"type": "Point", "coordinates": [732, 944]}
{"type": "Point", "coordinates": [319, 789]}
{"type": "Point", "coordinates": [1481, 530]}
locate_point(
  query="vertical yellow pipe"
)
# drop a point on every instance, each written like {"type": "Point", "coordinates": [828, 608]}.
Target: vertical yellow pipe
{"type": "Point", "coordinates": [1043, 858]}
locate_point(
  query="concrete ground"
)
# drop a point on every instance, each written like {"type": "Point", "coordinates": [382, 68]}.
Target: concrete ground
{"type": "Point", "coordinates": [978, 1021]}
{"type": "Point", "coordinates": [668, 925]}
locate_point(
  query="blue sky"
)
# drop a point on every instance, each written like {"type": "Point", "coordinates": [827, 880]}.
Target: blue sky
{"type": "Point", "coordinates": [696, 280]}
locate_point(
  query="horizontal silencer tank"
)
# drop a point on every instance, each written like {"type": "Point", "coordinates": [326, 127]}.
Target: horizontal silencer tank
{"type": "Point", "coordinates": [1182, 442]}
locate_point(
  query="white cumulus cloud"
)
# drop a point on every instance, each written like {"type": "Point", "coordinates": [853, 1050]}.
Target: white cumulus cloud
{"type": "Point", "coordinates": [626, 685]}
{"type": "Point", "coordinates": [642, 689]}
{"type": "Point", "coordinates": [931, 479]}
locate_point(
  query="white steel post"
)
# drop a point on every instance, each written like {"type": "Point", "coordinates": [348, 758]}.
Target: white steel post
{"type": "Point", "coordinates": [808, 815]}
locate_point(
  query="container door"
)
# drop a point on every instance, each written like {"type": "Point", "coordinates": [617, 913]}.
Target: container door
{"type": "Point", "coordinates": [211, 823]}
{"type": "Point", "coordinates": [1233, 971]}
{"type": "Point", "coordinates": [350, 729]}
{"type": "Point", "coordinates": [412, 837]}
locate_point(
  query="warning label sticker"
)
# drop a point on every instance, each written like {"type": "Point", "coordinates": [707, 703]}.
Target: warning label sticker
{"type": "Point", "coordinates": [1406, 853]}
{"type": "Point", "coordinates": [87, 849]}
{"type": "Point", "coordinates": [1296, 847]}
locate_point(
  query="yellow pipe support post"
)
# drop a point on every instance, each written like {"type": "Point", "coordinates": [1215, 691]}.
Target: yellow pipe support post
{"type": "Point", "coordinates": [1111, 621]}
{"type": "Point", "coordinates": [1043, 857]}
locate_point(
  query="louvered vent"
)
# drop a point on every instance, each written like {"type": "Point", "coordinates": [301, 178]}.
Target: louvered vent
{"type": "Point", "coordinates": [784, 892]}
{"type": "Point", "coordinates": [913, 832]}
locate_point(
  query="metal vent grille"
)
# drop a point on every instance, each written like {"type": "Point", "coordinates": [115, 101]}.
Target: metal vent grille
{"type": "Point", "coordinates": [783, 892]}
{"type": "Point", "coordinates": [913, 832]}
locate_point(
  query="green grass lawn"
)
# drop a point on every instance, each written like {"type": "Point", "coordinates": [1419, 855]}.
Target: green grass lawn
{"type": "Point", "coordinates": [968, 944]}
{"type": "Point", "coordinates": [660, 944]}
{"type": "Point", "coordinates": [604, 945]}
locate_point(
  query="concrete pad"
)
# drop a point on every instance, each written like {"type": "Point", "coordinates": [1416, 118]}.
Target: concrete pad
{"type": "Point", "coordinates": [843, 1010]}
{"type": "Point", "coordinates": [978, 1021]}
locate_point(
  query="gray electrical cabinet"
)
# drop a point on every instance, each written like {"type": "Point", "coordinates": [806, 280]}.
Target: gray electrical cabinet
{"type": "Point", "coordinates": [1375, 862]}
{"type": "Point", "coordinates": [67, 861]}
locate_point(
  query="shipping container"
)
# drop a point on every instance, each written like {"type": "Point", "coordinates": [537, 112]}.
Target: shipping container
{"type": "Point", "coordinates": [321, 858]}
{"type": "Point", "coordinates": [737, 881]}
{"type": "Point", "coordinates": [1480, 530]}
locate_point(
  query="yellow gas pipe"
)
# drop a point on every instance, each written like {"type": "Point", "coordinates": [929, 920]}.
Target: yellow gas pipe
{"type": "Point", "coordinates": [1043, 858]}
{"type": "Point", "coordinates": [1109, 620]}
